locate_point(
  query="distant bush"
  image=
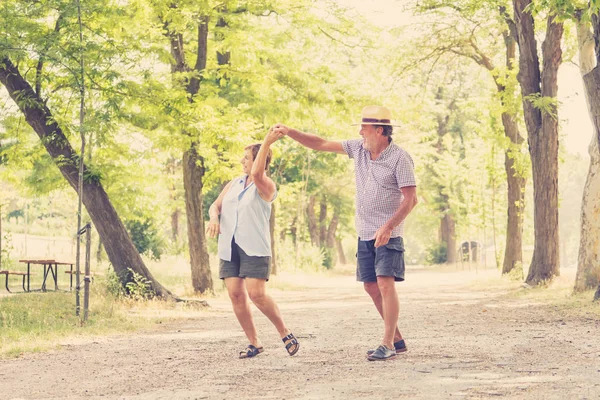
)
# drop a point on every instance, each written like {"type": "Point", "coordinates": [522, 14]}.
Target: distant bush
{"type": "Point", "coordinates": [436, 254]}
{"type": "Point", "coordinates": [308, 257]}
{"type": "Point", "coordinates": [145, 237]}
{"type": "Point", "coordinates": [5, 253]}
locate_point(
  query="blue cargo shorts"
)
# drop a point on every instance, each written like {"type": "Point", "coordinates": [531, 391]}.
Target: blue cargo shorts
{"type": "Point", "coordinates": [387, 260]}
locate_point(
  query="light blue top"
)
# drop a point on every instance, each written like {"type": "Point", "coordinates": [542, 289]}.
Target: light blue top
{"type": "Point", "coordinates": [245, 216]}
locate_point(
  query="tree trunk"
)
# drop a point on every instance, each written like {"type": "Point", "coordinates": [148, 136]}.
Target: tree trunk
{"type": "Point", "coordinates": [542, 128]}
{"type": "Point", "coordinates": [448, 236]}
{"type": "Point", "coordinates": [513, 253]}
{"type": "Point", "coordinates": [118, 245]}
{"type": "Point", "coordinates": [193, 172]}
{"type": "Point", "coordinates": [588, 265]}
{"type": "Point", "coordinates": [175, 224]}
{"type": "Point", "coordinates": [340, 251]}
{"type": "Point", "coordinates": [330, 239]}
{"type": "Point", "coordinates": [171, 170]}
{"type": "Point", "coordinates": [294, 230]}
{"type": "Point", "coordinates": [193, 163]}
{"type": "Point", "coordinates": [313, 229]}
{"type": "Point", "coordinates": [323, 221]}
{"type": "Point", "coordinates": [99, 251]}
{"type": "Point", "coordinates": [447, 223]}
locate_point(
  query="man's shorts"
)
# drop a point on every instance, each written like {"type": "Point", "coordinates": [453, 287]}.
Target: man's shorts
{"type": "Point", "coordinates": [386, 260]}
{"type": "Point", "coordinates": [244, 266]}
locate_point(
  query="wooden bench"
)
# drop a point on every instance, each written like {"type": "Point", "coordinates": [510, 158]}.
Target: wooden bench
{"type": "Point", "coordinates": [81, 274]}
{"type": "Point", "coordinates": [19, 273]}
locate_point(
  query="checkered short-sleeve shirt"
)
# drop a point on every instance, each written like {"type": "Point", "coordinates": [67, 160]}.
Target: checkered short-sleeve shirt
{"type": "Point", "coordinates": [378, 184]}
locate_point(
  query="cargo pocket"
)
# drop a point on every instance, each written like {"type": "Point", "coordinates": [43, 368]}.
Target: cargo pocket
{"type": "Point", "coordinates": [394, 258]}
{"type": "Point", "coordinates": [395, 244]}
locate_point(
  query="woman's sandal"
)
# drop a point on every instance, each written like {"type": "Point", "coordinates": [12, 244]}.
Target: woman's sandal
{"type": "Point", "coordinates": [251, 351]}
{"type": "Point", "coordinates": [291, 344]}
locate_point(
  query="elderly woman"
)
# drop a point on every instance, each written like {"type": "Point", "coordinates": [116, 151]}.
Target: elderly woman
{"type": "Point", "coordinates": [244, 207]}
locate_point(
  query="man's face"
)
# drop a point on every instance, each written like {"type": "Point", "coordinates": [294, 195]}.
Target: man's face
{"type": "Point", "coordinates": [247, 162]}
{"type": "Point", "coordinates": [371, 135]}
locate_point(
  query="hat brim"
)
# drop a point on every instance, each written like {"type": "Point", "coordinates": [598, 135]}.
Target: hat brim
{"type": "Point", "coordinates": [375, 123]}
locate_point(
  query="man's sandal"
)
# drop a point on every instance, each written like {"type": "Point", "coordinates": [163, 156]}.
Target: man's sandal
{"type": "Point", "coordinates": [291, 344]}
{"type": "Point", "coordinates": [251, 351]}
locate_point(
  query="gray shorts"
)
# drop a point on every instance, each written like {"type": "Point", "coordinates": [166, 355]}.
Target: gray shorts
{"type": "Point", "coordinates": [387, 260]}
{"type": "Point", "coordinates": [244, 266]}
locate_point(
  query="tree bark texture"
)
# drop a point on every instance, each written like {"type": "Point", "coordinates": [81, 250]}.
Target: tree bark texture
{"type": "Point", "coordinates": [118, 245]}
{"type": "Point", "coordinates": [542, 128]}
{"type": "Point", "coordinates": [588, 263]}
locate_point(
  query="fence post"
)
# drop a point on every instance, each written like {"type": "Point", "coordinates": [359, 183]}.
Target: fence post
{"type": "Point", "coordinates": [87, 277]}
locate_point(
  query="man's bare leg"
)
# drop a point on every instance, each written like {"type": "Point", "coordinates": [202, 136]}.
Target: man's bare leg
{"type": "Point", "coordinates": [372, 288]}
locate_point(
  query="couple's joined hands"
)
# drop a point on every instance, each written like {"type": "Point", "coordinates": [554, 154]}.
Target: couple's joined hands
{"type": "Point", "coordinates": [276, 132]}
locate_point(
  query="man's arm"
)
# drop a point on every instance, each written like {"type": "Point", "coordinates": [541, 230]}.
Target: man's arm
{"type": "Point", "coordinates": [311, 141]}
{"type": "Point", "coordinates": [382, 236]}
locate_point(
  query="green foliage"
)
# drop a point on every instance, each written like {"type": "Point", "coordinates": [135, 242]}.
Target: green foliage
{"type": "Point", "coordinates": [328, 257]}
{"type": "Point", "coordinates": [113, 284]}
{"type": "Point", "coordinates": [297, 62]}
{"type": "Point", "coordinates": [437, 253]}
{"type": "Point", "coordinates": [5, 251]}
{"type": "Point", "coordinates": [547, 105]}
{"type": "Point", "coordinates": [562, 9]}
{"type": "Point", "coordinates": [145, 237]}
{"type": "Point", "coordinates": [302, 256]}
{"type": "Point", "coordinates": [139, 288]}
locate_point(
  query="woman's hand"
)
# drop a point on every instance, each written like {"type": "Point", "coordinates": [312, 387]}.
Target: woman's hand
{"type": "Point", "coordinates": [213, 228]}
{"type": "Point", "coordinates": [274, 135]}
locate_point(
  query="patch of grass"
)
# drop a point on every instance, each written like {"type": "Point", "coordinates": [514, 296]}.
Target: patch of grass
{"type": "Point", "coordinates": [31, 322]}
{"type": "Point", "coordinates": [557, 294]}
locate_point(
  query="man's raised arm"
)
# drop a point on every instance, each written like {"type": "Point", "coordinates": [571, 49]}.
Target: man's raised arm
{"type": "Point", "coordinates": [309, 140]}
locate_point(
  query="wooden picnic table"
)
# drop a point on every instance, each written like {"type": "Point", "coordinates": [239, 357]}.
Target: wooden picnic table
{"type": "Point", "coordinates": [50, 267]}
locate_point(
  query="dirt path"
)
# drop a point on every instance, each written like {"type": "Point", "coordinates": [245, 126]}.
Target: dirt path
{"type": "Point", "coordinates": [463, 343]}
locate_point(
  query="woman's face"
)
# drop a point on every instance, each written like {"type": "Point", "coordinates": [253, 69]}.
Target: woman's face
{"type": "Point", "coordinates": [247, 161]}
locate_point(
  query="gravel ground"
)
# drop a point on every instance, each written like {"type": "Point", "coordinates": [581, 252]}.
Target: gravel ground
{"type": "Point", "coordinates": [464, 341]}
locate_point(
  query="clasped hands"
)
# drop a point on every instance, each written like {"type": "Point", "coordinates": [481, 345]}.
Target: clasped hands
{"type": "Point", "coordinates": [276, 132]}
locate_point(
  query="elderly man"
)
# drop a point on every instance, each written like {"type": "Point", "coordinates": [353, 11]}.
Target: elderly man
{"type": "Point", "coordinates": [385, 194]}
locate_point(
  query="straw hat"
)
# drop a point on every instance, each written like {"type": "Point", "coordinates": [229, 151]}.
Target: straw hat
{"type": "Point", "coordinates": [376, 115]}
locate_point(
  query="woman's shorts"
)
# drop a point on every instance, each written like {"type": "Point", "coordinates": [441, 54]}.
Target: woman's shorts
{"type": "Point", "coordinates": [244, 266]}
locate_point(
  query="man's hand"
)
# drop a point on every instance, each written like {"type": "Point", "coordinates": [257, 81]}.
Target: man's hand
{"type": "Point", "coordinates": [280, 128]}
{"type": "Point", "coordinates": [213, 228]}
{"type": "Point", "coordinates": [274, 135]}
{"type": "Point", "coordinates": [382, 236]}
